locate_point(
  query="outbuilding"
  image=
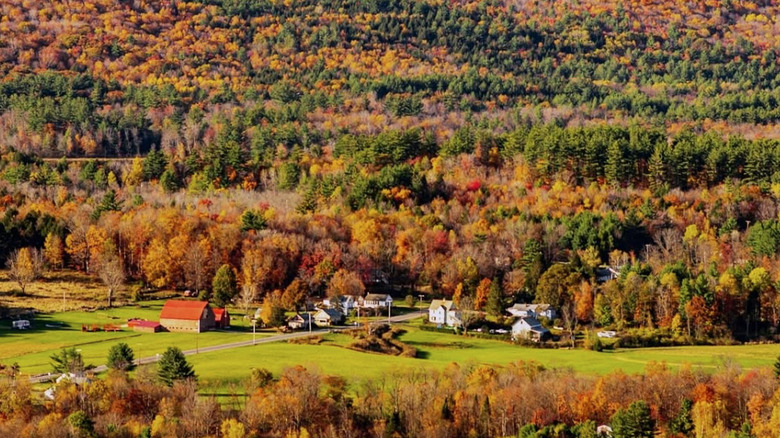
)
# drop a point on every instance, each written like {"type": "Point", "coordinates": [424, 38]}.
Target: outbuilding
{"type": "Point", "coordinates": [187, 316]}
{"type": "Point", "coordinates": [145, 326]}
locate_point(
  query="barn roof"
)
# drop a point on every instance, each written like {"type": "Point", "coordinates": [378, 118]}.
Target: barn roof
{"type": "Point", "coordinates": [180, 309]}
{"type": "Point", "coordinates": [219, 313]}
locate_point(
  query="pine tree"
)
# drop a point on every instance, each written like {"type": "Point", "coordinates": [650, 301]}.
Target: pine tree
{"type": "Point", "coordinates": [173, 366]}
{"type": "Point", "coordinates": [121, 357]}
{"type": "Point", "coordinates": [495, 304]}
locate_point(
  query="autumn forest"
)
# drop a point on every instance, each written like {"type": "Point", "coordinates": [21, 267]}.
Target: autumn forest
{"type": "Point", "coordinates": [488, 152]}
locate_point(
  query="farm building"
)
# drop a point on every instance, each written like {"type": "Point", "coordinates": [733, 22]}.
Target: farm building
{"type": "Point", "coordinates": [221, 318]}
{"type": "Point", "coordinates": [144, 326]}
{"type": "Point", "coordinates": [187, 316]}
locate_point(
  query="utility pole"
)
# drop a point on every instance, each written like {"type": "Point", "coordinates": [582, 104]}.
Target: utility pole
{"type": "Point", "coordinates": [254, 331]}
{"type": "Point", "coordinates": [421, 303]}
{"type": "Point", "coordinates": [389, 306]}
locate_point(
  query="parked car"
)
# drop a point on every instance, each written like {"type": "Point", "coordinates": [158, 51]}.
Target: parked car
{"type": "Point", "coordinates": [502, 331]}
{"type": "Point", "coordinates": [607, 334]}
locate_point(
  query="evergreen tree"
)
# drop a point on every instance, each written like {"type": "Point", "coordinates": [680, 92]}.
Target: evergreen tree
{"type": "Point", "coordinates": [633, 422]}
{"type": "Point", "coordinates": [495, 302]}
{"type": "Point", "coordinates": [121, 357]}
{"type": "Point", "coordinates": [173, 366]}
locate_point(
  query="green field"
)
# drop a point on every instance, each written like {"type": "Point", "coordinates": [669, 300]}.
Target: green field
{"type": "Point", "coordinates": [31, 348]}
{"type": "Point", "coordinates": [218, 370]}
{"type": "Point", "coordinates": [437, 350]}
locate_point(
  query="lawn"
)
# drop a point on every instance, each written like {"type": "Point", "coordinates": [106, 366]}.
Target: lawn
{"type": "Point", "coordinates": [32, 348]}
{"type": "Point", "coordinates": [436, 350]}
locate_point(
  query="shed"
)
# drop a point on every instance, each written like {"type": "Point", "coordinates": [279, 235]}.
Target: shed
{"type": "Point", "coordinates": [187, 316]}
{"type": "Point", "coordinates": [221, 318]}
{"type": "Point", "coordinates": [145, 326]}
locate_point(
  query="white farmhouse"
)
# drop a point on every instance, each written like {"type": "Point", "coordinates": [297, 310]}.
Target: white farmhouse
{"type": "Point", "coordinates": [444, 312]}
{"type": "Point", "coordinates": [529, 328]}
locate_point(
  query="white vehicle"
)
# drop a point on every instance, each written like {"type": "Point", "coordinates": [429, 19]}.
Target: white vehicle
{"type": "Point", "coordinates": [502, 331]}
{"type": "Point", "coordinates": [607, 334]}
{"type": "Point", "coordinates": [21, 324]}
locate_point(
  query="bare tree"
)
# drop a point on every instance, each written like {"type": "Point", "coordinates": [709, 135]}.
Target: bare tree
{"type": "Point", "coordinates": [195, 265]}
{"type": "Point", "coordinates": [112, 274]}
{"type": "Point", "coordinates": [247, 296]}
{"type": "Point", "coordinates": [25, 265]}
{"type": "Point", "coordinates": [468, 315]}
{"type": "Point", "coordinates": [569, 319]}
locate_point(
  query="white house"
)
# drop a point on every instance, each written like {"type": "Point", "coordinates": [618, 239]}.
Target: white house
{"type": "Point", "coordinates": [529, 328]}
{"type": "Point", "coordinates": [533, 310]}
{"type": "Point", "coordinates": [344, 302]}
{"type": "Point", "coordinates": [326, 317]}
{"type": "Point", "coordinates": [444, 312]}
{"type": "Point", "coordinates": [300, 320]}
{"type": "Point", "coordinates": [374, 301]}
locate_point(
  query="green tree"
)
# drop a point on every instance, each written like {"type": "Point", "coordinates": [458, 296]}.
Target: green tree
{"type": "Point", "coordinates": [252, 220]}
{"type": "Point", "coordinates": [633, 422]}
{"type": "Point", "coordinates": [173, 366]}
{"type": "Point", "coordinates": [121, 357]}
{"type": "Point", "coordinates": [82, 425]}
{"type": "Point", "coordinates": [154, 165]}
{"type": "Point", "coordinates": [168, 181]}
{"type": "Point", "coordinates": [68, 360]}
{"type": "Point", "coordinates": [495, 301]}
{"type": "Point", "coordinates": [224, 285]}
{"type": "Point", "coordinates": [682, 424]}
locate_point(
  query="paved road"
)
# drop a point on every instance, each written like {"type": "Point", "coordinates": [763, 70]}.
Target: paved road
{"type": "Point", "coordinates": [274, 338]}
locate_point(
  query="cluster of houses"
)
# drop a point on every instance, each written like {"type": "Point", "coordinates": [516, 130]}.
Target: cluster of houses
{"type": "Point", "coordinates": [525, 326]}
{"type": "Point", "coordinates": [333, 311]}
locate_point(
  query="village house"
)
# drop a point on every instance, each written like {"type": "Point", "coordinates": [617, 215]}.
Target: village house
{"type": "Point", "coordinates": [533, 310]}
{"type": "Point", "coordinates": [606, 273]}
{"type": "Point", "coordinates": [328, 317]}
{"type": "Point", "coordinates": [187, 316]}
{"type": "Point", "coordinates": [444, 312]}
{"type": "Point", "coordinates": [346, 303]}
{"type": "Point", "coordinates": [299, 321]}
{"type": "Point", "coordinates": [529, 328]}
{"type": "Point", "coordinates": [375, 301]}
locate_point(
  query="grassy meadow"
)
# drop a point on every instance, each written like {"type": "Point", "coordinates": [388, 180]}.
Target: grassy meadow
{"type": "Point", "coordinates": [222, 369]}
{"type": "Point", "coordinates": [54, 329]}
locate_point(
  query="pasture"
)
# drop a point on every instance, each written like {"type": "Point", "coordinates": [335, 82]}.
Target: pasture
{"type": "Point", "coordinates": [31, 349]}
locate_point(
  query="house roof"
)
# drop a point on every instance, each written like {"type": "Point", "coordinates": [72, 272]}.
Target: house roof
{"type": "Point", "coordinates": [447, 304]}
{"type": "Point", "coordinates": [329, 313]}
{"type": "Point", "coordinates": [532, 322]}
{"type": "Point", "coordinates": [304, 317]}
{"type": "Point", "coordinates": [180, 309]}
{"type": "Point", "coordinates": [377, 297]}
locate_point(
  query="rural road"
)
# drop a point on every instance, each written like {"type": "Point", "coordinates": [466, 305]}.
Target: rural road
{"type": "Point", "coordinates": [266, 340]}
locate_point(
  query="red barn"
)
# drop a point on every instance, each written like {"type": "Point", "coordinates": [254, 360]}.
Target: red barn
{"type": "Point", "coordinates": [187, 316]}
{"type": "Point", "coordinates": [221, 318]}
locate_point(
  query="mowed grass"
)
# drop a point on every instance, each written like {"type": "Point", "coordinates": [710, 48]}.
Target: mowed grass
{"type": "Point", "coordinates": [32, 349]}
{"type": "Point", "coordinates": [218, 371]}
